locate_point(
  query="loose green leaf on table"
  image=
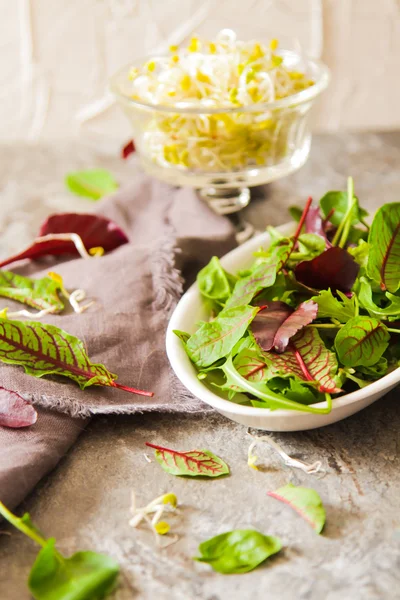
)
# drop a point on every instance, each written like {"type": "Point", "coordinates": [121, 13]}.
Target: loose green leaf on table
{"type": "Point", "coordinates": [47, 350]}
{"type": "Point", "coordinates": [361, 341]}
{"type": "Point", "coordinates": [41, 294]}
{"type": "Point", "coordinates": [304, 501]}
{"type": "Point", "coordinates": [215, 339]}
{"type": "Point", "coordinates": [384, 241]}
{"type": "Point", "coordinates": [83, 576]}
{"type": "Point", "coordinates": [238, 551]}
{"type": "Point", "coordinates": [93, 183]}
{"type": "Point", "coordinates": [193, 463]}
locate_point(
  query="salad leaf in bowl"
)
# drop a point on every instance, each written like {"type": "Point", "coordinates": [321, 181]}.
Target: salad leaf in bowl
{"type": "Point", "coordinates": [299, 327]}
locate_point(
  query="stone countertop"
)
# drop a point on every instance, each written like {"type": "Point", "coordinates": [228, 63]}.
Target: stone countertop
{"type": "Point", "coordinates": [85, 502]}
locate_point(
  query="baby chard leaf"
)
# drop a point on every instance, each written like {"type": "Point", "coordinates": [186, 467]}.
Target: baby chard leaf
{"type": "Point", "coordinates": [238, 551]}
{"type": "Point", "coordinates": [56, 231]}
{"type": "Point", "coordinates": [92, 184]}
{"type": "Point", "coordinates": [334, 269]}
{"type": "Point", "coordinates": [308, 359]}
{"type": "Point", "coordinates": [215, 339]}
{"type": "Point", "coordinates": [15, 411]}
{"type": "Point", "coordinates": [276, 323]}
{"type": "Point", "coordinates": [47, 350]}
{"type": "Point", "coordinates": [331, 308]}
{"type": "Point", "coordinates": [250, 365]}
{"type": "Point", "coordinates": [304, 501]}
{"type": "Point", "coordinates": [384, 242]}
{"type": "Point", "coordinates": [194, 463]}
{"type": "Point", "coordinates": [41, 294]}
{"type": "Point", "coordinates": [262, 276]}
{"type": "Point", "coordinates": [82, 576]}
{"type": "Point", "coordinates": [362, 341]}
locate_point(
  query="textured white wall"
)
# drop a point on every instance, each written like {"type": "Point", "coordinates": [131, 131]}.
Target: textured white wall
{"type": "Point", "coordinates": [57, 55]}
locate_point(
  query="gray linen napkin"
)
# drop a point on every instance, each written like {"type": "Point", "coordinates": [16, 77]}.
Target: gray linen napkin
{"type": "Point", "coordinates": [135, 288]}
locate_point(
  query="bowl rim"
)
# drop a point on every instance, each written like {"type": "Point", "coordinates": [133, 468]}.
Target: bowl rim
{"type": "Point", "coordinates": [292, 101]}
{"type": "Point", "coordinates": [186, 373]}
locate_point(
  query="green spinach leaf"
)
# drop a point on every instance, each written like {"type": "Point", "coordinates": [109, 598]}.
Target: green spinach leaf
{"type": "Point", "coordinates": [238, 551]}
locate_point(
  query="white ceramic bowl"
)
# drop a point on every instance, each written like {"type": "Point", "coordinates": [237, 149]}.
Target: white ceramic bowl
{"type": "Point", "coordinates": [190, 310]}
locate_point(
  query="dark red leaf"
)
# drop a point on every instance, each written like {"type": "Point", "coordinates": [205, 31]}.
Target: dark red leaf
{"type": "Point", "coordinates": [15, 411]}
{"type": "Point", "coordinates": [267, 322]}
{"type": "Point", "coordinates": [334, 269]}
{"type": "Point", "coordinates": [277, 322]}
{"type": "Point", "coordinates": [315, 224]}
{"type": "Point", "coordinates": [95, 231]}
{"type": "Point", "coordinates": [128, 149]}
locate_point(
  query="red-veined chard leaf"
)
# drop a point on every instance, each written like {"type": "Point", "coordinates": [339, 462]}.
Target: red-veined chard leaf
{"type": "Point", "coordinates": [128, 149]}
{"type": "Point", "coordinates": [82, 576]}
{"type": "Point", "coordinates": [41, 294]}
{"type": "Point", "coordinates": [390, 312]}
{"type": "Point", "coordinates": [309, 359]}
{"type": "Point", "coordinates": [305, 501]}
{"type": "Point", "coordinates": [238, 551]}
{"type": "Point", "coordinates": [261, 390]}
{"type": "Point", "coordinates": [93, 183]}
{"type": "Point", "coordinates": [15, 411]}
{"type": "Point", "coordinates": [193, 463]}
{"type": "Point", "coordinates": [384, 242]}
{"type": "Point", "coordinates": [330, 307]}
{"type": "Point", "coordinates": [47, 350]}
{"type": "Point", "coordinates": [94, 231]}
{"type": "Point", "coordinates": [262, 276]}
{"type": "Point", "coordinates": [277, 322]}
{"type": "Point", "coordinates": [250, 365]}
{"type": "Point", "coordinates": [215, 339]}
{"type": "Point", "coordinates": [361, 341]}
{"type": "Point", "coordinates": [334, 269]}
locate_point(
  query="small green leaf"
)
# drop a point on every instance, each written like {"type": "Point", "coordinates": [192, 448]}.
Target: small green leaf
{"type": "Point", "coordinates": [332, 308]}
{"type": "Point", "coordinates": [338, 203]}
{"type": "Point", "coordinates": [182, 335]}
{"type": "Point", "coordinates": [94, 183]}
{"type": "Point", "coordinates": [83, 576]}
{"type": "Point", "coordinates": [41, 294]}
{"type": "Point", "coordinates": [194, 463]}
{"type": "Point", "coordinates": [215, 339]}
{"type": "Point", "coordinates": [366, 301]}
{"type": "Point", "coordinates": [362, 341]}
{"type": "Point", "coordinates": [360, 253]}
{"type": "Point", "coordinates": [384, 241]}
{"type": "Point", "coordinates": [295, 212]}
{"type": "Point", "coordinates": [214, 282]}
{"type": "Point", "coordinates": [238, 551]}
{"type": "Point", "coordinates": [304, 501]}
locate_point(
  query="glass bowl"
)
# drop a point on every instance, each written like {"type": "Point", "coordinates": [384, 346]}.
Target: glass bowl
{"type": "Point", "coordinates": [223, 151]}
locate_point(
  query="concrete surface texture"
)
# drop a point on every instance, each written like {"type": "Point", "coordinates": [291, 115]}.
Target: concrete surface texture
{"type": "Point", "coordinates": [85, 502]}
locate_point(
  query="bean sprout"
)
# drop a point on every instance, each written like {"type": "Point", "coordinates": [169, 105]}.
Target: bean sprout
{"type": "Point", "coordinates": [225, 73]}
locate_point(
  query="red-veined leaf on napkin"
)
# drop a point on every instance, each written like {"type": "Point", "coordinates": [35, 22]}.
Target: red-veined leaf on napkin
{"type": "Point", "coordinates": [335, 269]}
{"type": "Point", "coordinates": [94, 231]}
{"type": "Point", "coordinates": [41, 294]}
{"type": "Point", "coordinates": [277, 322]}
{"type": "Point", "coordinates": [192, 463]}
{"type": "Point", "coordinates": [384, 242]}
{"type": "Point", "coordinates": [309, 359]}
{"type": "Point", "coordinates": [47, 350]}
{"type": "Point", "coordinates": [15, 411]}
{"type": "Point", "coordinates": [305, 501]}
{"type": "Point", "coordinates": [128, 149]}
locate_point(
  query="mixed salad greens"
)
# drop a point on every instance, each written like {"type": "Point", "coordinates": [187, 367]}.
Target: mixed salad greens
{"type": "Point", "coordinates": [225, 73]}
{"type": "Point", "coordinates": [316, 315]}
